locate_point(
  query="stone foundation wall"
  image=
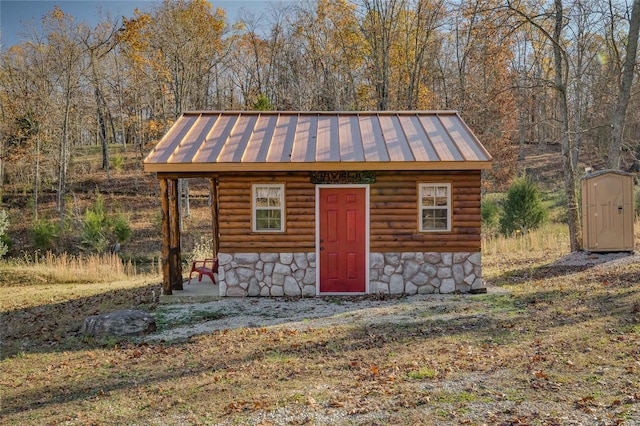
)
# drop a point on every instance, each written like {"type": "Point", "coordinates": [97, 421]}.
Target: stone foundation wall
{"type": "Point", "coordinates": [294, 274]}
{"type": "Point", "coordinates": [267, 274]}
{"type": "Point", "coordinates": [424, 273]}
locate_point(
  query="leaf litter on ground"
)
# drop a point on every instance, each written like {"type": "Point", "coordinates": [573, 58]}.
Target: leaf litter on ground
{"type": "Point", "coordinates": [548, 344]}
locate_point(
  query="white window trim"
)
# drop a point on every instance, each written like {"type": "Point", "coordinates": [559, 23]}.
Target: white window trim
{"type": "Point", "coordinates": [254, 206]}
{"type": "Point", "coordinates": [448, 207]}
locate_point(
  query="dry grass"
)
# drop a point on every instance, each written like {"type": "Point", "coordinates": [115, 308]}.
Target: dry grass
{"type": "Point", "coordinates": [557, 346]}
{"type": "Point", "coordinates": [44, 299]}
{"type": "Point", "coordinates": [537, 247]}
{"type": "Point", "coordinates": [552, 238]}
{"type": "Point", "coordinates": [562, 346]}
{"type": "Point", "coordinates": [65, 268]}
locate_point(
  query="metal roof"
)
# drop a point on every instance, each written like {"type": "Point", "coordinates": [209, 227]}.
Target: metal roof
{"type": "Point", "coordinates": [294, 141]}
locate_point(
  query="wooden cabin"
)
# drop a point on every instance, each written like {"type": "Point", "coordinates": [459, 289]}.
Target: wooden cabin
{"type": "Point", "coordinates": [329, 203]}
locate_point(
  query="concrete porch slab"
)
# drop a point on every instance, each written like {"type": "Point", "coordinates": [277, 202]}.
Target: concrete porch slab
{"type": "Point", "coordinates": [194, 292]}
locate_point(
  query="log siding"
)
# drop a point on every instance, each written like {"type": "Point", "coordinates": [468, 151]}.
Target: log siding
{"type": "Point", "coordinates": [236, 235]}
{"type": "Point", "coordinates": [393, 213]}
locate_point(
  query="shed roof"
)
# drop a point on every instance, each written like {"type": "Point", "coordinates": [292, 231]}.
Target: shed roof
{"type": "Point", "coordinates": [592, 175]}
{"type": "Point", "coordinates": [320, 141]}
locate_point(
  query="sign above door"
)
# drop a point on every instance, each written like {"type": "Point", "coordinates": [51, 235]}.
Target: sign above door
{"type": "Point", "coordinates": [343, 177]}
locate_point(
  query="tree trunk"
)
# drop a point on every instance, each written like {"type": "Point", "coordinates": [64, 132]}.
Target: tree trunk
{"type": "Point", "coordinates": [521, 134]}
{"type": "Point", "coordinates": [617, 121]}
{"type": "Point", "coordinates": [213, 197]}
{"type": "Point", "coordinates": [62, 167]}
{"type": "Point", "coordinates": [566, 141]}
{"type": "Point", "coordinates": [175, 256]}
{"type": "Point", "coordinates": [36, 179]}
{"type": "Point", "coordinates": [102, 129]}
{"type": "Point", "coordinates": [166, 236]}
{"type": "Point", "coordinates": [382, 20]}
{"type": "Point", "coordinates": [187, 201]}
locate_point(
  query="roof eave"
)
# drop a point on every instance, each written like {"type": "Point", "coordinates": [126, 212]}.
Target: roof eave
{"type": "Point", "coordinates": [317, 166]}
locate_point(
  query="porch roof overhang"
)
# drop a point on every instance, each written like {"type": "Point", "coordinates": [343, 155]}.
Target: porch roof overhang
{"type": "Point", "coordinates": [257, 141]}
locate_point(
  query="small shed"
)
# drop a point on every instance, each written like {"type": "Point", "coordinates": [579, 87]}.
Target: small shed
{"type": "Point", "coordinates": [607, 211]}
{"type": "Point", "coordinates": [319, 203]}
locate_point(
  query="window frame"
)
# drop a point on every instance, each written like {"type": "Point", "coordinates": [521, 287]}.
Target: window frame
{"type": "Point", "coordinates": [255, 208]}
{"type": "Point", "coordinates": [448, 208]}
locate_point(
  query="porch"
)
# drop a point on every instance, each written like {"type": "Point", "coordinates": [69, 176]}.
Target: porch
{"type": "Point", "coordinates": [194, 292]}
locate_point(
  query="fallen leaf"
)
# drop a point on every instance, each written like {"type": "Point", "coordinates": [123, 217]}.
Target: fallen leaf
{"type": "Point", "coordinates": [374, 370]}
{"type": "Point", "coordinates": [540, 374]}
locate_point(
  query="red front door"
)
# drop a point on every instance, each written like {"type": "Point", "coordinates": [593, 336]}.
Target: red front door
{"type": "Point", "coordinates": [342, 240]}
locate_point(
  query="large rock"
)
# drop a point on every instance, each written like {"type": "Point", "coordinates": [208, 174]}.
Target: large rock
{"type": "Point", "coordinates": [119, 323]}
{"type": "Point", "coordinates": [246, 259]}
{"type": "Point", "coordinates": [291, 287]}
{"type": "Point", "coordinates": [376, 260]}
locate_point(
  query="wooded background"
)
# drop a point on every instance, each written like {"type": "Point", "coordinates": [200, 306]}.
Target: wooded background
{"type": "Point", "coordinates": [518, 71]}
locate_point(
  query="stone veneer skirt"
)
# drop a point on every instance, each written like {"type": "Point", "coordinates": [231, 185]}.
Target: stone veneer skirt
{"type": "Point", "coordinates": [294, 274]}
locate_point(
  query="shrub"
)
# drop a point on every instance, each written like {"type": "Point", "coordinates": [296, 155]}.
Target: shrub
{"type": "Point", "coordinates": [94, 228]}
{"type": "Point", "coordinates": [117, 161]}
{"type": "Point", "coordinates": [4, 224]}
{"type": "Point", "coordinates": [44, 232]}
{"type": "Point", "coordinates": [638, 202]}
{"type": "Point", "coordinates": [121, 228]}
{"type": "Point", "coordinates": [262, 103]}
{"type": "Point", "coordinates": [523, 207]}
{"type": "Point", "coordinates": [490, 212]}
{"type": "Point", "coordinates": [98, 229]}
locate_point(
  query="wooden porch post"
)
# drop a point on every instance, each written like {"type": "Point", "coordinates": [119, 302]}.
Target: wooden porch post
{"type": "Point", "coordinates": [166, 232]}
{"type": "Point", "coordinates": [215, 242]}
{"type": "Point", "coordinates": [175, 259]}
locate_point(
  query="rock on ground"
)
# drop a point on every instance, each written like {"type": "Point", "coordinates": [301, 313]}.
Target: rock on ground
{"type": "Point", "coordinates": [119, 323]}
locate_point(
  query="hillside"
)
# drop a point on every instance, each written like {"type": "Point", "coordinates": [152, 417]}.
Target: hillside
{"type": "Point", "coordinates": [130, 191]}
{"type": "Point", "coordinates": [553, 342]}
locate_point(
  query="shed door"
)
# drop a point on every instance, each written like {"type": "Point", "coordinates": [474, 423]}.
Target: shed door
{"type": "Point", "coordinates": [342, 240]}
{"type": "Point", "coordinates": [611, 212]}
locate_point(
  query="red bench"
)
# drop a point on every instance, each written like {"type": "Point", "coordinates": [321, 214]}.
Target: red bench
{"type": "Point", "coordinates": [204, 267]}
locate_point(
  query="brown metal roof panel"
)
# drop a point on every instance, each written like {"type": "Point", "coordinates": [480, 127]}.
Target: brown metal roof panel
{"type": "Point", "coordinates": [372, 140]}
{"type": "Point", "coordinates": [466, 141]}
{"type": "Point", "coordinates": [230, 140]}
{"type": "Point", "coordinates": [440, 139]}
{"type": "Point", "coordinates": [417, 139]}
{"type": "Point", "coordinates": [217, 137]}
{"type": "Point", "coordinates": [261, 139]}
{"type": "Point", "coordinates": [238, 140]}
{"type": "Point", "coordinates": [397, 145]}
{"type": "Point", "coordinates": [350, 138]}
{"type": "Point", "coordinates": [304, 145]}
{"type": "Point", "coordinates": [284, 136]}
{"type": "Point", "coordinates": [164, 149]}
{"type": "Point", "coordinates": [190, 145]}
{"type": "Point", "coordinates": [327, 142]}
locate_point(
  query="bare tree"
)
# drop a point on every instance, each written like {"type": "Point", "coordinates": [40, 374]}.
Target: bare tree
{"type": "Point", "coordinates": [65, 58]}
{"type": "Point", "coordinates": [97, 44]}
{"type": "Point", "coordinates": [379, 28]}
{"type": "Point", "coordinates": [626, 81]}
{"type": "Point", "coordinates": [560, 83]}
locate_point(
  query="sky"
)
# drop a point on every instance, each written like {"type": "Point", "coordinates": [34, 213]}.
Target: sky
{"type": "Point", "coordinates": [16, 14]}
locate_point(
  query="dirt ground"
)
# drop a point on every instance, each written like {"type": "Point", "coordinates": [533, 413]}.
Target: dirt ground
{"type": "Point", "coordinates": [233, 313]}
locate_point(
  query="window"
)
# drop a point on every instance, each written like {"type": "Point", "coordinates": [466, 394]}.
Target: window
{"type": "Point", "coordinates": [268, 208]}
{"type": "Point", "coordinates": [434, 207]}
